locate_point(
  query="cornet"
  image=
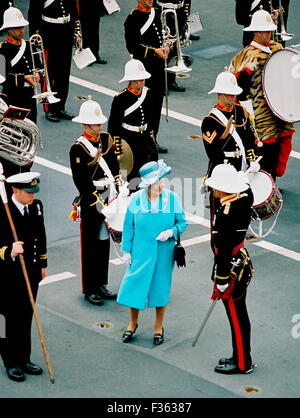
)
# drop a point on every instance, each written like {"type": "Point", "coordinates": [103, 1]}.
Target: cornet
{"type": "Point", "coordinates": [39, 65]}
{"type": "Point", "coordinates": [283, 35]}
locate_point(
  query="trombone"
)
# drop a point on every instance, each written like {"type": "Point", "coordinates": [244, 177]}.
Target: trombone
{"type": "Point", "coordinates": [39, 65]}
{"type": "Point", "coordinates": [283, 35]}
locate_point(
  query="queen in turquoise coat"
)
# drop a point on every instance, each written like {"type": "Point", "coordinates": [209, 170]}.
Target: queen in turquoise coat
{"type": "Point", "coordinates": [153, 221]}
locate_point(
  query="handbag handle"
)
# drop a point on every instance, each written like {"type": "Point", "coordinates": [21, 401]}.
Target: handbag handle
{"type": "Point", "coordinates": [178, 235]}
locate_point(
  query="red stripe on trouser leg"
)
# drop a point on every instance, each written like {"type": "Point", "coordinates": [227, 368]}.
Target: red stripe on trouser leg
{"type": "Point", "coordinates": [284, 153]}
{"type": "Point", "coordinates": [81, 255]}
{"type": "Point", "coordinates": [44, 86]}
{"type": "Point", "coordinates": [237, 334]}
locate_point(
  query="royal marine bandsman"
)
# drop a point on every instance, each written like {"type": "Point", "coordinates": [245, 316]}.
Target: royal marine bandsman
{"type": "Point", "coordinates": [95, 170]}
{"type": "Point", "coordinates": [15, 306]}
{"type": "Point", "coordinates": [131, 122]}
{"type": "Point", "coordinates": [232, 269]}
{"type": "Point", "coordinates": [226, 130]}
{"type": "Point", "coordinates": [144, 41]}
{"type": "Point", "coordinates": [18, 88]}
{"type": "Point", "coordinates": [58, 23]}
{"type": "Point", "coordinates": [274, 134]}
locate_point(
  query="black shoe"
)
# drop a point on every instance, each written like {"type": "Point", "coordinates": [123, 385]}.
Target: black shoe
{"type": "Point", "coordinates": [63, 114]}
{"type": "Point", "coordinates": [188, 60]}
{"type": "Point", "coordinates": [232, 369]}
{"type": "Point", "coordinates": [94, 299]}
{"type": "Point", "coordinates": [158, 338]}
{"type": "Point", "coordinates": [226, 361]}
{"type": "Point", "coordinates": [160, 149]}
{"type": "Point", "coordinates": [128, 334]}
{"type": "Point", "coordinates": [16, 374]}
{"type": "Point", "coordinates": [106, 294]}
{"type": "Point", "coordinates": [194, 37]}
{"type": "Point", "coordinates": [175, 87]}
{"type": "Point", "coordinates": [100, 60]}
{"type": "Point", "coordinates": [31, 368]}
{"type": "Point", "coordinates": [52, 117]}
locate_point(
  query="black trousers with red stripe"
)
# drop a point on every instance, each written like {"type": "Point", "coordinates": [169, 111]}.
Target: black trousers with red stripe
{"type": "Point", "coordinates": [237, 314]}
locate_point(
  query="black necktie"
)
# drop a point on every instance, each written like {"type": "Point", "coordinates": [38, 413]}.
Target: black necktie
{"type": "Point", "coordinates": [26, 212]}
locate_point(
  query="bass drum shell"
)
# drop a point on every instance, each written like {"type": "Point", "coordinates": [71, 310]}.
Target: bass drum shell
{"type": "Point", "coordinates": [281, 83]}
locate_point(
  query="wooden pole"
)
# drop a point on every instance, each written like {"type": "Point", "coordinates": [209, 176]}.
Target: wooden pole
{"type": "Point", "coordinates": [25, 274]}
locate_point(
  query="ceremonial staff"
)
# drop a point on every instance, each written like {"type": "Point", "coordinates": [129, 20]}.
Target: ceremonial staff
{"type": "Point", "coordinates": [25, 274]}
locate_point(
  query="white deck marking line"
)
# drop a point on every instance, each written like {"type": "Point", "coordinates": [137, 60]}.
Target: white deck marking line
{"type": "Point", "coordinates": [278, 249]}
{"type": "Point", "coordinates": [53, 166]}
{"type": "Point", "coordinates": [57, 277]}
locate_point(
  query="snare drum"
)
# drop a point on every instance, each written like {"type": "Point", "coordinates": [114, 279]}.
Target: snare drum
{"type": "Point", "coordinates": [281, 83]}
{"type": "Point", "coordinates": [267, 196]}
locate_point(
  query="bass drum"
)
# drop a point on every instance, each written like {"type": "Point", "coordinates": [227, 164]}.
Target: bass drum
{"type": "Point", "coordinates": [281, 83]}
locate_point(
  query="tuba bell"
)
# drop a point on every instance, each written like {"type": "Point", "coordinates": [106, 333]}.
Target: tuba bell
{"type": "Point", "coordinates": [19, 139]}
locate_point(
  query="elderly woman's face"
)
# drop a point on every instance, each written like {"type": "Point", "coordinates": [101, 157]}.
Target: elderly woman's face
{"type": "Point", "coordinates": [157, 187]}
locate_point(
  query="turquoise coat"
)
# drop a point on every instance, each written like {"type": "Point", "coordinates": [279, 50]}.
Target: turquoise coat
{"type": "Point", "coordinates": [149, 277]}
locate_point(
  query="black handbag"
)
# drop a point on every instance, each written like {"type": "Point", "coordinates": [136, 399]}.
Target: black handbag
{"type": "Point", "coordinates": [179, 252]}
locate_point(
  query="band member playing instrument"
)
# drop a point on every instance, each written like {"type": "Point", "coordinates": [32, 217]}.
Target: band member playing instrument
{"type": "Point", "coordinates": [20, 79]}
{"type": "Point", "coordinates": [57, 22]}
{"type": "Point", "coordinates": [275, 135]}
{"type": "Point", "coordinates": [15, 306]}
{"type": "Point", "coordinates": [226, 130]}
{"type": "Point", "coordinates": [232, 269]}
{"type": "Point", "coordinates": [144, 40]}
{"type": "Point", "coordinates": [244, 10]}
{"type": "Point", "coordinates": [131, 120]}
{"type": "Point", "coordinates": [95, 171]}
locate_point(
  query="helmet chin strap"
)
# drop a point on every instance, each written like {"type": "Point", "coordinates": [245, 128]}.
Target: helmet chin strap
{"type": "Point", "coordinates": [96, 133]}
{"type": "Point", "coordinates": [227, 102]}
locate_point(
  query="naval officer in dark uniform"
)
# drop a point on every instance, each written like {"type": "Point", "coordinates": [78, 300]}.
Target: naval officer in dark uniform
{"type": "Point", "coordinates": [95, 170]}
{"type": "Point", "coordinates": [232, 269]}
{"type": "Point", "coordinates": [144, 40]}
{"type": "Point", "coordinates": [131, 122]}
{"type": "Point", "coordinates": [27, 214]}
{"type": "Point", "coordinates": [57, 22]}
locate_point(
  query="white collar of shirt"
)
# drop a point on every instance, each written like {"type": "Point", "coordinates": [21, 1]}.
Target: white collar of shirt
{"type": "Point", "coordinates": [19, 205]}
{"type": "Point", "coordinates": [261, 47]}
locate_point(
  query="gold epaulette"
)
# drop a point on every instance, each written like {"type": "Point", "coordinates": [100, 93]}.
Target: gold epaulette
{"type": "Point", "coordinates": [2, 252]}
{"type": "Point", "coordinates": [227, 200]}
{"type": "Point", "coordinates": [122, 91]}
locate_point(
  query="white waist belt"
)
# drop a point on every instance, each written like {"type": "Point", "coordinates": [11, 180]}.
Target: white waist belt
{"type": "Point", "coordinates": [101, 183]}
{"type": "Point", "coordinates": [171, 5]}
{"type": "Point", "coordinates": [233, 154]}
{"type": "Point", "coordinates": [61, 20]}
{"type": "Point", "coordinates": [141, 128]}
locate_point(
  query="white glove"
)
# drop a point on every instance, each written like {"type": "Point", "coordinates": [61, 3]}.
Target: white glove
{"type": "Point", "coordinates": [108, 212]}
{"type": "Point", "coordinates": [254, 167]}
{"type": "Point", "coordinates": [123, 190]}
{"type": "Point", "coordinates": [165, 235]}
{"type": "Point", "coordinates": [127, 258]}
{"type": "Point", "coordinates": [222, 287]}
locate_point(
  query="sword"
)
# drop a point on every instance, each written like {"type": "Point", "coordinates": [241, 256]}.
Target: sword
{"type": "Point", "coordinates": [204, 321]}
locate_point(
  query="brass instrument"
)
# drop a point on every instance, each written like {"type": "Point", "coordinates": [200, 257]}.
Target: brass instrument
{"type": "Point", "coordinates": [19, 139]}
{"type": "Point", "coordinates": [39, 66]}
{"type": "Point", "coordinates": [283, 35]}
{"type": "Point", "coordinates": [170, 39]}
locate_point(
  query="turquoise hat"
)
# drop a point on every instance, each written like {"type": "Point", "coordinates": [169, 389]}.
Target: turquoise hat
{"type": "Point", "coordinates": [152, 172]}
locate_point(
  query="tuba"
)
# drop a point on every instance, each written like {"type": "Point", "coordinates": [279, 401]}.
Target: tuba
{"type": "Point", "coordinates": [19, 139]}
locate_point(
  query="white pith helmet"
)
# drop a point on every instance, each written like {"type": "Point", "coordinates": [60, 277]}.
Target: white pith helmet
{"type": "Point", "coordinates": [226, 84]}
{"type": "Point", "coordinates": [13, 18]}
{"type": "Point", "coordinates": [261, 22]}
{"type": "Point", "coordinates": [226, 178]}
{"type": "Point", "coordinates": [90, 113]}
{"type": "Point", "coordinates": [135, 70]}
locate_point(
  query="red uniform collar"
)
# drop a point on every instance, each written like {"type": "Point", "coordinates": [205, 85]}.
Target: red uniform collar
{"type": "Point", "coordinates": [144, 9]}
{"type": "Point", "coordinates": [224, 108]}
{"type": "Point", "coordinates": [91, 138]}
{"type": "Point", "coordinates": [13, 41]}
{"type": "Point", "coordinates": [134, 91]}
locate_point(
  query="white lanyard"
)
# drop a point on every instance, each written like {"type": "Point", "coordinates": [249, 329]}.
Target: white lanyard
{"type": "Point", "coordinates": [234, 134]}
{"type": "Point", "coordinates": [148, 22]}
{"type": "Point", "coordinates": [137, 103]}
{"type": "Point", "coordinates": [254, 4]}
{"type": "Point", "coordinates": [19, 54]}
{"type": "Point", "coordinates": [47, 3]}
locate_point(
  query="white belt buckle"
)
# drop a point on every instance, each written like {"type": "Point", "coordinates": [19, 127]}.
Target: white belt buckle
{"type": "Point", "coordinates": [142, 128]}
{"type": "Point", "coordinates": [65, 19]}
